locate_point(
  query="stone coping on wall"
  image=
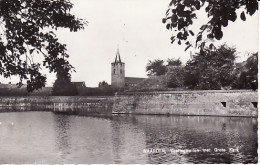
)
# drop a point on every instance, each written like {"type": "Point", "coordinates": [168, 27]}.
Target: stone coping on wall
{"type": "Point", "coordinates": [87, 97]}
{"type": "Point", "coordinates": [54, 99]}
{"type": "Point", "coordinates": [185, 92]}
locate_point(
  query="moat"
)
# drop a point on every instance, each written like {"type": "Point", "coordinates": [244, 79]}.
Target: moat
{"type": "Point", "coordinates": [48, 137]}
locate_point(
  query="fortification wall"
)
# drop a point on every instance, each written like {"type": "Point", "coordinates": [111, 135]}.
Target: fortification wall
{"type": "Point", "coordinates": [66, 104]}
{"type": "Point", "coordinates": [214, 102]}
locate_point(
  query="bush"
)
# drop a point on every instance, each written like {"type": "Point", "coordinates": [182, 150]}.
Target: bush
{"type": "Point", "coordinates": [175, 77]}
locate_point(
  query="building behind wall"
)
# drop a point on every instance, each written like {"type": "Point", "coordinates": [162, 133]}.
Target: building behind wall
{"type": "Point", "coordinates": [118, 78]}
{"type": "Point", "coordinates": [118, 72]}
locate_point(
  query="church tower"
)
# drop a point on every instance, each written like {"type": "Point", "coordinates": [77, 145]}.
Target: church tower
{"type": "Point", "coordinates": [118, 72]}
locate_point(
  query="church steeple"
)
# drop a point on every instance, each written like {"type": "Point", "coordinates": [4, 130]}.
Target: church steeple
{"type": "Point", "coordinates": [118, 72]}
{"type": "Point", "coordinates": [119, 59]}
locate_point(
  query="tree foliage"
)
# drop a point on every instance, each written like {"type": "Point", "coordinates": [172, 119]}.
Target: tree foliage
{"type": "Point", "coordinates": [63, 86]}
{"type": "Point", "coordinates": [102, 84]}
{"type": "Point", "coordinates": [181, 14]}
{"type": "Point", "coordinates": [27, 30]}
{"type": "Point", "coordinates": [174, 62]}
{"type": "Point", "coordinates": [211, 69]}
{"type": "Point", "coordinates": [156, 67]}
{"type": "Point", "coordinates": [248, 77]}
{"type": "Point", "coordinates": [175, 73]}
{"type": "Point", "coordinates": [175, 77]}
{"type": "Point", "coordinates": [252, 66]}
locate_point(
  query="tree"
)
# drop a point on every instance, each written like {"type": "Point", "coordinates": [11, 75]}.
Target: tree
{"type": "Point", "coordinates": [242, 82]}
{"type": "Point", "coordinates": [175, 73]}
{"type": "Point", "coordinates": [211, 69]}
{"type": "Point", "coordinates": [175, 77]}
{"type": "Point", "coordinates": [27, 31]}
{"type": "Point", "coordinates": [63, 86]}
{"type": "Point", "coordinates": [102, 84]}
{"type": "Point", "coordinates": [248, 78]}
{"type": "Point", "coordinates": [174, 62]}
{"type": "Point", "coordinates": [156, 67]}
{"type": "Point", "coordinates": [181, 14]}
{"type": "Point", "coordinates": [252, 66]}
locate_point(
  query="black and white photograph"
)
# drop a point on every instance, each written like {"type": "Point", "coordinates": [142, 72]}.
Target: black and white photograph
{"type": "Point", "coordinates": [129, 81]}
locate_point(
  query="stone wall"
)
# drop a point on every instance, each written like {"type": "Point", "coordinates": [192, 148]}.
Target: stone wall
{"type": "Point", "coordinates": [66, 104]}
{"type": "Point", "coordinates": [214, 102]}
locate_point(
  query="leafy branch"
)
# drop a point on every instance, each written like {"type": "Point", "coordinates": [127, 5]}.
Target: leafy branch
{"type": "Point", "coordinates": [181, 14]}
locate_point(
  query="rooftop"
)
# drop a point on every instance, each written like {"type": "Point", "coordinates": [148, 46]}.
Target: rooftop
{"type": "Point", "coordinates": [133, 80]}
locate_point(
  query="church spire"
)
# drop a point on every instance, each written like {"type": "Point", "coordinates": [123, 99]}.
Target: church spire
{"type": "Point", "coordinates": [116, 58]}
{"type": "Point", "coordinates": [118, 54]}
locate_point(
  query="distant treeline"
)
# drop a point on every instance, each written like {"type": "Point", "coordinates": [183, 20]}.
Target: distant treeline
{"type": "Point", "coordinates": [47, 91]}
{"type": "Point", "coordinates": [209, 69]}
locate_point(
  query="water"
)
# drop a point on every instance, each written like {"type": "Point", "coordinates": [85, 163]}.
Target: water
{"type": "Point", "coordinates": [46, 137]}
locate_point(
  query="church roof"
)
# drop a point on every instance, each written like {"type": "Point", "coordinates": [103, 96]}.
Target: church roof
{"type": "Point", "coordinates": [79, 84]}
{"type": "Point", "coordinates": [133, 80]}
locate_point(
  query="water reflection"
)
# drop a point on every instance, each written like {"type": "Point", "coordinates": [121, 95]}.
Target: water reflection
{"type": "Point", "coordinates": [27, 137]}
{"type": "Point", "coordinates": [200, 133]}
{"type": "Point", "coordinates": [62, 130]}
{"type": "Point", "coordinates": [117, 142]}
{"type": "Point", "coordinates": [128, 140]}
{"type": "Point", "coordinates": [45, 137]}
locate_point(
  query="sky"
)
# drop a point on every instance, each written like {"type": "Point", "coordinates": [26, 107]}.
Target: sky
{"type": "Point", "coordinates": [135, 28]}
